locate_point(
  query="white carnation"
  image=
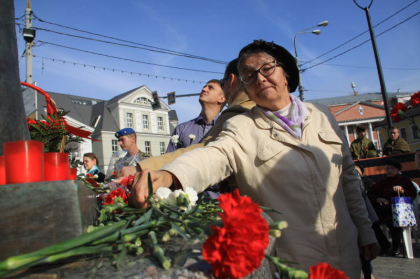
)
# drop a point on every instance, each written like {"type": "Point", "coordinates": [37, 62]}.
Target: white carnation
{"type": "Point", "coordinates": [192, 195]}
{"type": "Point", "coordinates": [163, 193]}
{"type": "Point", "coordinates": [175, 139]}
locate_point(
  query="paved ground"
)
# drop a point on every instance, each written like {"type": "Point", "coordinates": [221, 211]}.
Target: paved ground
{"type": "Point", "coordinates": [398, 267]}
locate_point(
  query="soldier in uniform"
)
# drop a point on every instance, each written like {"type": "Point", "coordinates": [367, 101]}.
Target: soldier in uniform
{"type": "Point", "coordinates": [362, 147]}
{"type": "Point", "coordinates": [395, 145]}
{"type": "Point", "coordinates": [127, 140]}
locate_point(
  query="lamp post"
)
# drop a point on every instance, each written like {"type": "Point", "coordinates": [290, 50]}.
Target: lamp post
{"type": "Point", "coordinates": [378, 63]}
{"type": "Point", "coordinates": [316, 32]}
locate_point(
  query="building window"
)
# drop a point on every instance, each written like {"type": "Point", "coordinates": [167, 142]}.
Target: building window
{"type": "Point", "coordinates": [350, 130]}
{"type": "Point", "coordinates": [114, 145]}
{"type": "Point", "coordinates": [162, 148]}
{"type": "Point", "coordinates": [403, 133]}
{"type": "Point", "coordinates": [147, 147]}
{"type": "Point", "coordinates": [160, 123]}
{"type": "Point", "coordinates": [415, 132]}
{"type": "Point", "coordinates": [145, 122]}
{"type": "Point", "coordinates": [129, 120]}
{"type": "Point", "coordinates": [95, 121]}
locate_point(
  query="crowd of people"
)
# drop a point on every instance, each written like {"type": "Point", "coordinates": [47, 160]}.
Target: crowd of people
{"type": "Point", "coordinates": [284, 154]}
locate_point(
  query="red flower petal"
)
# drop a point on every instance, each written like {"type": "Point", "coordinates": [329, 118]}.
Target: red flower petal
{"type": "Point", "coordinates": [109, 199]}
{"type": "Point", "coordinates": [325, 271]}
{"type": "Point", "coordinates": [415, 99]}
{"type": "Point", "coordinates": [235, 250]}
{"type": "Point", "coordinates": [127, 181]}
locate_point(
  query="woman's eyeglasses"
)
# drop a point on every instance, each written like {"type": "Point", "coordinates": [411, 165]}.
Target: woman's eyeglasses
{"type": "Point", "coordinates": [266, 70]}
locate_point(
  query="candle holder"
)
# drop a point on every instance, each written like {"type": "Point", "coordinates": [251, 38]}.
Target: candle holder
{"type": "Point", "coordinates": [2, 171]}
{"type": "Point", "coordinates": [56, 166]}
{"type": "Point", "coordinates": [24, 161]}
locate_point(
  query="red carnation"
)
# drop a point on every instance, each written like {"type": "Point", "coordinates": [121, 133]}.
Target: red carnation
{"type": "Point", "coordinates": [117, 193]}
{"type": "Point", "coordinates": [415, 99]}
{"type": "Point", "coordinates": [127, 181]}
{"type": "Point", "coordinates": [91, 180]}
{"type": "Point", "coordinates": [397, 112]}
{"type": "Point", "coordinates": [325, 271]}
{"type": "Point", "coordinates": [237, 249]}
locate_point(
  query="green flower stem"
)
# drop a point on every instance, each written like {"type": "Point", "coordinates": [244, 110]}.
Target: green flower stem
{"type": "Point", "coordinates": [137, 242]}
{"type": "Point", "coordinates": [108, 210]}
{"type": "Point", "coordinates": [286, 271]}
{"type": "Point", "coordinates": [279, 225]}
{"type": "Point", "coordinates": [134, 210]}
{"type": "Point", "coordinates": [275, 233]}
{"type": "Point", "coordinates": [114, 237]}
{"type": "Point", "coordinates": [16, 262]}
{"type": "Point", "coordinates": [134, 249]}
{"type": "Point", "coordinates": [168, 207]}
{"type": "Point", "coordinates": [158, 251]}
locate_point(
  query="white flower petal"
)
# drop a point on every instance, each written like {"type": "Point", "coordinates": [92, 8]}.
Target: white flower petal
{"type": "Point", "coordinates": [163, 193]}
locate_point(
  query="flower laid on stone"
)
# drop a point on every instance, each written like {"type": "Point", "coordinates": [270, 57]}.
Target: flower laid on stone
{"type": "Point", "coordinates": [118, 195]}
{"type": "Point", "coordinates": [91, 179]}
{"type": "Point", "coordinates": [235, 250]}
{"type": "Point", "coordinates": [325, 271]}
{"type": "Point", "coordinates": [235, 244]}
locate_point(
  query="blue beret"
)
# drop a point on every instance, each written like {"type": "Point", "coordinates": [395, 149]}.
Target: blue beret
{"type": "Point", "coordinates": [123, 132]}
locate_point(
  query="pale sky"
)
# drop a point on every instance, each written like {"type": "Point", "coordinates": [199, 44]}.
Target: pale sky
{"type": "Point", "coordinates": [217, 30]}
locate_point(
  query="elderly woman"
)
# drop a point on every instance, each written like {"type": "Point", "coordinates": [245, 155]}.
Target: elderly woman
{"type": "Point", "coordinates": [286, 155]}
{"type": "Point", "coordinates": [380, 196]}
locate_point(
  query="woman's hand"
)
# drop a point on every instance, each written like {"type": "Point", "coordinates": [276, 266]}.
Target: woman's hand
{"type": "Point", "coordinates": [370, 251]}
{"type": "Point", "coordinates": [126, 171]}
{"type": "Point", "coordinates": [382, 201]}
{"type": "Point", "coordinates": [398, 189]}
{"type": "Point", "coordinates": [140, 190]}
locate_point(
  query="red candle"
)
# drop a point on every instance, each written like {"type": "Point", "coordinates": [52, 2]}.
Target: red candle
{"type": "Point", "coordinates": [73, 174]}
{"type": "Point", "coordinates": [24, 161]}
{"type": "Point", "coordinates": [56, 166]}
{"type": "Point", "coordinates": [2, 171]}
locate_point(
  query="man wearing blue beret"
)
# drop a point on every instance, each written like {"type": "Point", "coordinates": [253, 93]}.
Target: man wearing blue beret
{"type": "Point", "coordinates": [127, 140]}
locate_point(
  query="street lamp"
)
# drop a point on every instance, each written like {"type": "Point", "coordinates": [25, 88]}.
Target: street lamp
{"type": "Point", "coordinates": [316, 32]}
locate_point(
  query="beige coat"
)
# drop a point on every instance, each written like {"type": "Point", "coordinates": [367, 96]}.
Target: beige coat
{"type": "Point", "coordinates": [239, 105]}
{"type": "Point", "coordinates": [311, 182]}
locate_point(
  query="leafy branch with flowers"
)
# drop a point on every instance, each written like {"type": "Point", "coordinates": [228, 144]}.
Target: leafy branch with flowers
{"type": "Point", "coordinates": [234, 233]}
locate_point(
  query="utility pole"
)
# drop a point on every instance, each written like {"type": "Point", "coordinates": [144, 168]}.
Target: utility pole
{"type": "Point", "coordinates": [378, 63]}
{"type": "Point", "coordinates": [29, 41]}
{"type": "Point", "coordinates": [12, 111]}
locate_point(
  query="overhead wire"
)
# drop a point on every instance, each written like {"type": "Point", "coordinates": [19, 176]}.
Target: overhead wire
{"type": "Point", "coordinates": [131, 60]}
{"type": "Point", "coordinates": [116, 70]}
{"type": "Point", "coordinates": [119, 44]}
{"type": "Point", "coordinates": [352, 39]}
{"type": "Point", "coordinates": [303, 70]}
{"type": "Point", "coordinates": [146, 47]}
{"type": "Point", "coordinates": [366, 67]}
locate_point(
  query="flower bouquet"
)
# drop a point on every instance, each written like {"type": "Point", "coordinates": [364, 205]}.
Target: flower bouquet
{"type": "Point", "coordinates": [399, 111]}
{"type": "Point", "coordinates": [232, 230]}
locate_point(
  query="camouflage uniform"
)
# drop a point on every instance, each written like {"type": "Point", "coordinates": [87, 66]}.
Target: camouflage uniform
{"type": "Point", "coordinates": [128, 160]}
{"type": "Point", "coordinates": [359, 148]}
{"type": "Point", "coordinates": [399, 146]}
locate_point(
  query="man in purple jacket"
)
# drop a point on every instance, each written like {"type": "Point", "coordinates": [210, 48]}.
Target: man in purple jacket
{"type": "Point", "coordinates": [212, 99]}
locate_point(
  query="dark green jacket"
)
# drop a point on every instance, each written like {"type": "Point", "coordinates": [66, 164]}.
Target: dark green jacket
{"type": "Point", "coordinates": [359, 149]}
{"type": "Point", "coordinates": [399, 146]}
